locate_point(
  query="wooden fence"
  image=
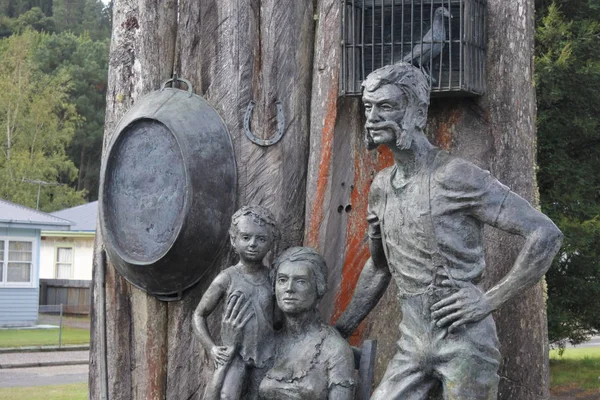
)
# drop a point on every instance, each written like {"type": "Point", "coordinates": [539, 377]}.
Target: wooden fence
{"type": "Point", "coordinates": [75, 295]}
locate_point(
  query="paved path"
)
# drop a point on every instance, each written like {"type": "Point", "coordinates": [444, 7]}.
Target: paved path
{"type": "Point", "coordinates": [20, 375]}
{"type": "Point", "coordinates": [43, 376]}
{"type": "Point", "coordinates": [40, 359]}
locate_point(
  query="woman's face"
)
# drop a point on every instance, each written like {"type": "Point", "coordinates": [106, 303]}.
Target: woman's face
{"type": "Point", "coordinates": [295, 287]}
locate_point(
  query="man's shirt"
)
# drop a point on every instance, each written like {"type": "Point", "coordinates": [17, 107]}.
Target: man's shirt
{"type": "Point", "coordinates": [461, 198]}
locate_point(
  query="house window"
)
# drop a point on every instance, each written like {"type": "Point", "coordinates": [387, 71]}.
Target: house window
{"type": "Point", "coordinates": [16, 262]}
{"type": "Point", "coordinates": [64, 262]}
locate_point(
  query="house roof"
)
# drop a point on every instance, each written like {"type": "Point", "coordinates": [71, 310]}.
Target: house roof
{"type": "Point", "coordinates": [16, 215]}
{"type": "Point", "coordinates": [83, 216]}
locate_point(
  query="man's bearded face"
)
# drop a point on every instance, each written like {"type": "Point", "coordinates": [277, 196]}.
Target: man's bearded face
{"type": "Point", "coordinates": [385, 109]}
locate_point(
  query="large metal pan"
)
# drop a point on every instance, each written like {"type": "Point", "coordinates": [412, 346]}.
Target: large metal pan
{"type": "Point", "coordinates": [167, 192]}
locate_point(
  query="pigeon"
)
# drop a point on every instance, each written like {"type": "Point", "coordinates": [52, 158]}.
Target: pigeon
{"type": "Point", "coordinates": [432, 43]}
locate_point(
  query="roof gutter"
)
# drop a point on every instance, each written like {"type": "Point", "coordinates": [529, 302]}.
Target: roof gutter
{"type": "Point", "coordinates": [70, 234]}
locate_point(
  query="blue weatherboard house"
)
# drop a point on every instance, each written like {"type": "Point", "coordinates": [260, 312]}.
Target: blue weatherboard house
{"type": "Point", "coordinates": [20, 229]}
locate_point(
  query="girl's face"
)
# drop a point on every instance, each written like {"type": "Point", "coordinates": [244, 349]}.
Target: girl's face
{"type": "Point", "coordinates": [252, 241]}
{"type": "Point", "coordinates": [295, 287]}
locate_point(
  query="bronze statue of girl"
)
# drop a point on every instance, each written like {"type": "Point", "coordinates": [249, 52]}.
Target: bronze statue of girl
{"type": "Point", "coordinates": [242, 361]}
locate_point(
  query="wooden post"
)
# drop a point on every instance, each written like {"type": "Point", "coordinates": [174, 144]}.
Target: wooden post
{"type": "Point", "coordinates": [141, 58]}
{"type": "Point", "coordinates": [233, 52]}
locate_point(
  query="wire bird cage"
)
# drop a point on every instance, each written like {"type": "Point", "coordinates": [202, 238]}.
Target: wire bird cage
{"type": "Point", "coordinates": [445, 38]}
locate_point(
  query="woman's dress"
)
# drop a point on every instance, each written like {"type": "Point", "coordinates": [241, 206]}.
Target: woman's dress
{"type": "Point", "coordinates": [307, 368]}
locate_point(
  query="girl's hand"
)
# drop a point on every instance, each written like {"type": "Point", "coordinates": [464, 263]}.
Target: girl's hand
{"type": "Point", "coordinates": [221, 355]}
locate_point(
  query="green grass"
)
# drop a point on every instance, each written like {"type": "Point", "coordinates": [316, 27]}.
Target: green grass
{"type": "Point", "coordinates": [576, 367]}
{"type": "Point", "coordinates": [55, 318]}
{"type": "Point", "coordinates": [76, 391]}
{"type": "Point", "coordinates": [42, 337]}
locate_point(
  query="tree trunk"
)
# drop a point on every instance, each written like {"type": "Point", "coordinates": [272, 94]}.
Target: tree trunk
{"type": "Point", "coordinates": [496, 132]}
{"type": "Point", "coordinates": [82, 169]}
{"type": "Point", "coordinates": [141, 57]}
{"type": "Point", "coordinates": [235, 51]}
{"type": "Point", "coordinates": [232, 52]}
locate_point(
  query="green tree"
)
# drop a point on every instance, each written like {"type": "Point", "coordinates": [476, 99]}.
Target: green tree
{"type": "Point", "coordinates": [86, 61]}
{"type": "Point", "coordinates": [34, 19]}
{"type": "Point", "coordinates": [77, 16]}
{"type": "Point", "coordinates": [96, 19]}
{"type": "Point", "coordinates": [67, 14]}
{"type": "Point", "coordinates": [37, 123]}
{"type": "Point", "coordinates": [24, 16]}
{"type": "Point", "coordinates": [568, 100]}
{"type": "Point", "coordinates": [14, 8]}
{"type": "Point", "coordinates": [5, 26]}
{"type": "Point", "coordinates": [78, 50]}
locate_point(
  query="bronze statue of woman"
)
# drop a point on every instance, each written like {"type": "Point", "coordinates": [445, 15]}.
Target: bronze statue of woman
{"type": "Point", "coordinates": [312, 361]}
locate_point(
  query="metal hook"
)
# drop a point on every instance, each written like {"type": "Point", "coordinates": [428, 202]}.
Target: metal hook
{"type": "Point", "coordinates": [280, 126]}
{"type": "Point", "coordinates": [169, 297]}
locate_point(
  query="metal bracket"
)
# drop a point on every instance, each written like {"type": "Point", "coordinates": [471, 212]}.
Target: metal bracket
{"type": "Point", "coordinates": [280, 126]}
{"type": "Point", "coordinates": [173, 81]}
{"type": "Point", "coordinates": [169, 297]}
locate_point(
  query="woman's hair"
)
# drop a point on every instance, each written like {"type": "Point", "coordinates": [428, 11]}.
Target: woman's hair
{"type": "Point", "coordinates": [311, 258]}
{"type": "Point", "coordinates": [259, 214]}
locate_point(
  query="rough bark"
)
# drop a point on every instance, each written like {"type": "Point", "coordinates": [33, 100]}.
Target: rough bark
{"type": "Point", "coordinates": [141, 57]}
{"type": "Point", "coordinates": [496, 132]}
{"type": "Point", "coordinates": [232, 52]}
{"type": "Point", "coordinates": [525, 372]}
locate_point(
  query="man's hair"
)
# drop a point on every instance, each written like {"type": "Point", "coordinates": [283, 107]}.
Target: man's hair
{"type": "Point", "coordinates": [410, 79]}
{"type": "Point", "coordinates": [310, 257]}
{"type": "Point", "coordinates": [259, 214]}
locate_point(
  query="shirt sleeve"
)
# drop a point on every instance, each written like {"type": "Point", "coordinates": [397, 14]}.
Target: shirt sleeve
{"type": "Point", "coordinates": [340, 363]}
{"type": "Point", "coordinates": [376, 198]}
{"type": "Point", "coordinates": [464, 186]}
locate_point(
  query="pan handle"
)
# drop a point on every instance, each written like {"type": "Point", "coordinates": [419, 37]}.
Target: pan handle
{"type": "Point", "coordinates": [173, 83]}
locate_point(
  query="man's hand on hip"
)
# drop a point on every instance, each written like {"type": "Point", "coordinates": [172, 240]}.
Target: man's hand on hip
{"type": "Point", "coordinates": [468, 304]}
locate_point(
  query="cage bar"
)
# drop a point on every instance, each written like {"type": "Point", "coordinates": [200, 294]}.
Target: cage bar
{"type": "Point", "coordinates": [380, 32]}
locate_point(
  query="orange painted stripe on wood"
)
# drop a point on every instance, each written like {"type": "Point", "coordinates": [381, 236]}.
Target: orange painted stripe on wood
{"type": "Point", "coordinates": [385, 158]}
{"type": "Point", "coordinates": [444, 131]}
{"type": "Point", "coordinates": [324, 169]}
{"type": "Point", "coordinates": [357, 249]}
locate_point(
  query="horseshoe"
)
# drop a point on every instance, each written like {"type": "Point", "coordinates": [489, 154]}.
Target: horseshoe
{"type": "Point", "coordinates": [280, 126]}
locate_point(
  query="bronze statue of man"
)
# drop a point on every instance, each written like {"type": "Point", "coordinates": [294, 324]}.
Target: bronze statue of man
{"type": "Point", "coordinates": [426, 219]}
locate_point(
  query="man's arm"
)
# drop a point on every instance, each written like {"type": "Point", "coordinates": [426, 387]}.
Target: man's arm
{"type": "Point", "coordinates": [543, 240]}
{"type": "Point", "coordinates": [375, 275]}
{"type": "Point", "coordinates": [372, 283]}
